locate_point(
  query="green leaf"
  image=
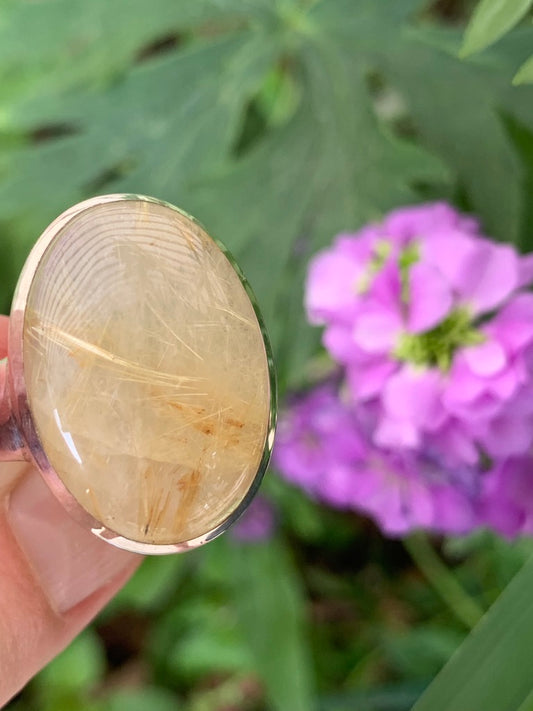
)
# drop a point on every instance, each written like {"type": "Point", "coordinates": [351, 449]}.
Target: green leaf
{"type": "Point", "coordinates": [331, 168]}
{"type": "Point", "coordinates": [77, 669]}
{"type": "Point", "coordinates": [388, 698]}
{"type": "Point", "coordinates": [455, 107]}
{"type": "Point", "coordinates": [150, 698]}
{"type": "Point", "coordinates": [491, 20]}
{"type": "Point", "coordinates": [271, 606]}
{"type": "Point", "coordinates": [525, 73]}
{"type": "Point", "coordinates": [522, 138]}
{"type": "Point", "coordinates": [211, 648]}
{"type": "Point", "coordinates": [203, 636]}
{"type": "Point", "coordinates": [179, 134]}
{"type": "Point", "coordinates": [73, 43]}
{"type": "Point", "coordinates": [492, 668]}
{"type": "Point", "coordinates": [528, 704]}
{"type": "Point", "coordinates": [420, 653]}
{"type": "Point", "coordinates": [152, 585]}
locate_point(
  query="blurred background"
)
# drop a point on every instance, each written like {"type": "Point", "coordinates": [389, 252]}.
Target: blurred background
{"type": "Point", "coordinates": [278, 124]}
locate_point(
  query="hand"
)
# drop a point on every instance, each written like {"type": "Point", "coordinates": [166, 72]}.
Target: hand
{"type": "Point", "coordinates": [54, 575]}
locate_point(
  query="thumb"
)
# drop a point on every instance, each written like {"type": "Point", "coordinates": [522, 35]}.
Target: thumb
{"type": "Point", "coordinates": [54, 576]}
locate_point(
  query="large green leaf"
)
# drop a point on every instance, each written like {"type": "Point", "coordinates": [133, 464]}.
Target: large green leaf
{"type": "Point", "coordinates": [331, 168]}
{"type": "Point", "coordinates": [304, 184]}
{"type": "Point", "coordinates": [490, 21]}
{"type": "Point", "coordinates": [492, 668]}
{"type": "Point", "coordinates": [269, 600]}
{"type": "Point", "coordinates": [456, 109]}
{"type": "Point", "coordinates": [168, 127]}
{"type": "Point", "coordinates": [141, 127]}
{"type": "Point", "coordinates": [68, 44]}
{"type": "Point", "coordinates": [522, 137]}
{"type": "Point", "coordinates": [393, 698]}
{"type": "Point", "coordinates": [525, 73]}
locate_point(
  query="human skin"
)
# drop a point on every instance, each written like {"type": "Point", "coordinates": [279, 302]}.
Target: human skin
{"type": "Point", "coordinates": [54, 575]}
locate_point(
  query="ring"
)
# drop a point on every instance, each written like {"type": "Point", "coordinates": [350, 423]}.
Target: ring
{"type": "Point", "coordinates": [139, 378]}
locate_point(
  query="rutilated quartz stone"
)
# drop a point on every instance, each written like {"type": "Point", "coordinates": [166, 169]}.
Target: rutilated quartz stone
{"type": "Point", "coordinates": [146, 371]}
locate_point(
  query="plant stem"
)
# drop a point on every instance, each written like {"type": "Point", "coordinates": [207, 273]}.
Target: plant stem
{"type": "Point", "coordinates": [443, 580]}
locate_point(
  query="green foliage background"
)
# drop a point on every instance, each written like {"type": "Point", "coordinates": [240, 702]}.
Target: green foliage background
{"type": "Point", "coordinates": [278, 123]}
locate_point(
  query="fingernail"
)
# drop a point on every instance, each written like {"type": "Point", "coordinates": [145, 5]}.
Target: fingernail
{"type": "Point", "coordinates": [70, 562]}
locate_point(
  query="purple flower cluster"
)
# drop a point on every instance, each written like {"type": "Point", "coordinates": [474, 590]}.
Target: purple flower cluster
{"type": "Point", "coordinates": [431, 424]}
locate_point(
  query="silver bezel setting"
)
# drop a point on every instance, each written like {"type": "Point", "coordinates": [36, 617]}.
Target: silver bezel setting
{"type": "Point", "coordinates": [21, 410]}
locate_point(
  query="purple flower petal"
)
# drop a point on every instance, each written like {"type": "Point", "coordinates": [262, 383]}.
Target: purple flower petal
{"type": "Point", "coordinates": [385, 289]}
{"type": "Point", "coordinates": [418, 500]}
{"type": "Point", "coordinates": [525, 270]}
{"type": "Point", "coordinates": [358, 245]}
{"type": "Point", "coordinates": [461, 385]}
{"type": "Point", "coordinates": [430, 298]}
{"type": "Point", "coordinates": [413, 395]}
{"type": "Point", "coordinates": [508, 436]}
{"type": "Point", "coordinates": [397, 434]}
{"type": "Point", "coordinates": [521, 404]}
{"type": "Point", "coordinates": [338, 339]}
{"type": "Point", "coordinates": [482, 273]}
{"type": "Point", "coordinates": [454, 444]}
{"type": "Point", "coordinates": [332, 287]}
{"type": "Point", "coordinates": [485, 359]}
{"type": "Point", "coordinates": [386, 508]}
{"type": "Point", "coordinates": [520, 481]}
{"type": "Point", "coordinates": [478, 411]}
{"type": "Point", "coordinates": [492, 279]}
{"type": "Point", "coordinates": [376, 330]}
{"type": "Point", "coordinates": [408, 223]}
{"type": "Point", "coordinates": [513, 325]}
{"type": "Point", "coordinates": [368, 379]}
{"type": "Point", "coordinates": [504, 384]}
{"type": "Point", "coordinates": [366, 486]}
{"type": "Point", "coordinates": [454, 512]}
{"type": "Point", "coordinates": [453, 254]}
{"type": "Point", "coordinates": [498, 509]}
{"type": "Point", "coordinates": [336, 488]}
